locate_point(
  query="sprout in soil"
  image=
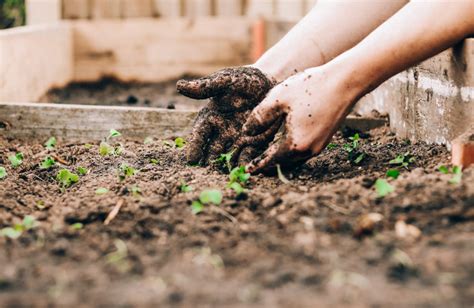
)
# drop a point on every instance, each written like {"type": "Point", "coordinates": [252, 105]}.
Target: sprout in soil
{"type": "Point", "coordinates": [209, 196]}
{"type": "Point", "coordinates": [224, 160]}
{"type": "Point", "coordinates": [82, 170]}
{"type": "Point", "coordinates": [136, 191]}
{"type": "Point", "coordinates": [383, 188]}
{"type": "Point", "coordinates": [154, 161]}
{"type": "Point", "coordinates": [88, 146]}
{"type": "Point", "coordinates": [66, 178]}
{"type": "Point", "coordinates": [331, 146]}
{"type": "Point", "coordinates": [456, 171]}
{"type": "Point", "coordinates": [101, 191]}
{"type": "Point", "coordinates": [3, 173]}
{"type": "Point", "coordinates": [237, 178]}
{"type": "Point", "coordinates": [106, 149]}
{"type": "Point", "coordinates": [126, 171]}
{"type": "Point", "coordinates": [77, 226]}
{"type": "Point", "coordinates": [16, 159]}
{"type": "Point", "coordinates": [179, 142]}
{"type": "Point", "coordinates": [185, 187]}
{"type": "Point", "coordinates": [393, 173]}
{"type": "Point", "coordinates": [354, 155]}
{"type": "Point", "coordinates": [28, 223]}
{"type": "Point", "coordinates": [47, 163]}
{"type": "Point", "coordinates": [51, 143]}
{"type": "Point", "coordinates": [402, 160]}
{"type": "Point", "coordinates": [281, 176]}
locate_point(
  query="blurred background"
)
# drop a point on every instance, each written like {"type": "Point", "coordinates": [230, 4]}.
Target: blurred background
{"type": "Point", "coordinates": [12, 13]}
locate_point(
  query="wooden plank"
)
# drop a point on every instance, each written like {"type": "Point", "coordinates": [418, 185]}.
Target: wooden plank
{"type": "Point", "coordinates": [197, 8]}
{"type": "Point", "coordinates": [42, 11]}
{"type": "Point", "coordinates": [168, 8]}
{"type": "Point", "coordinates": [102, 9]}
{"type": "Point", "coordinates": [38, 57]}
{"type": "Point", "coordinates": [137, 8]}
{"type": "Point", "coordinates": [292, 10]}
{"type": "Point", "coordinates": [260, 8]}
{"type": "Point", "coordinates": [76, 9]}
{"type": "Point", "coordinates": [229, 7]}
{"type": "Point", "coordinates": [86, 123]}
{"type": "Point", "coordinates": [158, 49]}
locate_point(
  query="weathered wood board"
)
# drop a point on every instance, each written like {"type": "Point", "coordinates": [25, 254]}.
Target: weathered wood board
{"type": "Point", "coordinates": [87, 123]}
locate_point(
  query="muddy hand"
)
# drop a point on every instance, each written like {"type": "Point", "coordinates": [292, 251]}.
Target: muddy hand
{"type": "Point", "coordinates": [312, 104]}
{"type": "Point", "coordinates": [233, 93]}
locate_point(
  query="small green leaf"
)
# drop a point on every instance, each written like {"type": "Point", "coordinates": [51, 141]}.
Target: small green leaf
{"type": "Point", "coordinates": [16, 159]}
{"type": "Point", "coordinates": [3, 173]}
{"type": "Point", "coordinates": [66, 178]}
{"type": "Point", "coordinates": [105, 149]}
{"type": "Point", "coordinates": [148, 140]}
{"type": "Point", "coordinates": [443, 169]}
{"type": "Point", "coordinates": [197, 207]}
{"type": "Point", "coordinates": [113, 133]}
{"type": "Point", "coordinates": [213, 196]}
{"type": "Point", "coordinates": [47, 163]}
{"type": "Point", "coordinates": [29, 222]}
{"type": "Point", "coordinates": [393, 173]}
{"type": "Point", "coordinates": [281, 176]}
{"type": "Point", "coordinates": [456, 179]}
{"type": "Point", "coordinates": [179, 142]}
{"type": "Point", "coordinates": [397, 160]}
{"type": "Point", "coordinates": [239, 174]}
{"type": "Point", "coordinates": [136, 191]}
{"type": "Point", "coordinates": [118, 150]}
{"type": "Point", "coordinates": [101, 191]}
{"type": "Point", "coordinates": [359, 158]}
{"type": "Point", "coordinates": [185, 187]}
{"type": "Point", "coordinates": [225, 160]}
{"type": "Point", "coordinates": [88, 146]}
{"type": "Point", "coordinates": [11, 233]}
{"type": "Point", "coordinates": [126, 171]}
{"type": "Point", "coordinates": [331, 146]}
{"type": "Point", "coordinates": [237, 188]}
{"type": "Point", "coordinates": [82, 170]}
{"type": "Point", "coordinates": [154, 161]}
{"type": "Point", "coordinates": [77, 226]}
{"type": "Point", "coordinates": [51, 143]}
{"type": "Point", "coordinates": [383, 188]}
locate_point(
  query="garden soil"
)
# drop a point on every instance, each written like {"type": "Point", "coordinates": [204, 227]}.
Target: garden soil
{"type": "Point", "coordinates": [323, 239]}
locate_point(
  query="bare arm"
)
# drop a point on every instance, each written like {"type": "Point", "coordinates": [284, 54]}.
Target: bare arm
{"type": "Point", "coordinates": [315, 102]}
{"type": "Point", "coordinates": [328, 30]}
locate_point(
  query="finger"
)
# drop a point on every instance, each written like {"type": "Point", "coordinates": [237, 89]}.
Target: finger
{"type": "Point", "coordinates": [247, 155]}
{"type": "Point", "coordinates": [206, 87]}
{"type": "Point", "coordinates": [195, 149]}
{"type": "Point", "coordinates": [262, 117]}
{"type": "Point", "coordinates": [269, 158]}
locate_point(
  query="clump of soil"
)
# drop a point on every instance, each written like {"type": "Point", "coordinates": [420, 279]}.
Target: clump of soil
{"type": "Point", "coordinates": [324, 239]}
{"type": "Point", "coordinates": [113, 92]}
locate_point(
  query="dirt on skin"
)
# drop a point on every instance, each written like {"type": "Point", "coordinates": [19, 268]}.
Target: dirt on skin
{"type": "Point", "coordinates": [309, 243]}
{"type": "Point", "coordinates": [113, 92]}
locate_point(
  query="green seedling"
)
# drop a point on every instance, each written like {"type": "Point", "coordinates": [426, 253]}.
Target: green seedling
{"type": "Point", "coordinates": [126, 171]}
{"type": "Point", "coordinates": [16, 160]}
{"type": "Point", "coordinates": [47, 163]}
{"type": "Point", "coordinates": [77, 226]}
{"type": "Point", "coordinates": [185, 187]}
{"type": "Point", "coordinates": [383, 188]}
{"type": "Point", "coordinates": [355, 156]}
{"type": "Point", "coordinates": [237, 187]}
{"type": "Point", "coordinates": [51, 143]}
{"type": "Point", "coordinates": [113, 134]}
{"type": "Point", "coordinates": [148, 140]}
{"type": "Point", "coordinates": [28, 223]}
{"type": "Point", "coordinates": [207, 197]}
{"type": "Point", "coordinates": [154, 161]}
{"type": "Point", "coordinates": [101, 191]}
{"type": "Point", "coordinates": [402, 160]}
{"type": "Point", "coordinates": [40, 204]}
{"type": "Point", "coordinates": [179, 142]}
{"type": "Point", "coordinates": [237, 178]}
{"type": "Point", "coordinates": [393, 173]}
{"type": "Point", "coordinates": [136, 191]}
{"type": "Point", "coordinates": [3, 173]}
{"type": "Point", "coordinates": [281, 176]}
{"type": "Point", "coordinates": [82, 170]}
{"type": "Point", "coordinates": [331, 146]}
{"type": "Point", "coordinates": [456, 171]}
{"type": "Point", "coordinates": [106, 149]}
{"type": "Point", "coordinates": [88, 146]}
{"type": "Point", "coordinates": [66, 178]}
{"type": "Point", "coordinates": [225, 159]}
{"type": "Point", "coordinates": [119, 258]}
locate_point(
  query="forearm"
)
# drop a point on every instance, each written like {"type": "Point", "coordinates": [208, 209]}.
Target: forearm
{"type": "Point", "coordinates": [331, 28]}
{"type": "Point", "coordinates": [417, 32]}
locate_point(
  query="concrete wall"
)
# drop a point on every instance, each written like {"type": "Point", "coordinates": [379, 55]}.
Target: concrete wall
{"type": "Point", "coordinates": [34, 59]}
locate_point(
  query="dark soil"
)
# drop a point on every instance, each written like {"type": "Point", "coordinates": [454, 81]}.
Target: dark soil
{"type": "Point", "coordinates": [112, 92]}
{"type": "Point", "coordinates": [309, 243]}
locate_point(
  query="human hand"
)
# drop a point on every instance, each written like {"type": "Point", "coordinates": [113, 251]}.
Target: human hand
{"type": "Point", "coordinates": [313, 104]}
{"type": "Point", "coordinates": [233, 93]}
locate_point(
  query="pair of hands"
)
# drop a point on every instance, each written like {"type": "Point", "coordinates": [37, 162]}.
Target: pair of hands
{"type": "Point", "coordinates": [247, 109]}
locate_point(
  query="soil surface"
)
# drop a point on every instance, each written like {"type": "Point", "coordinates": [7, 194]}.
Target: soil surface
{"type": "Point", "coordinates": [313, 242]}
{"type": "Point", "coordinates": [112, 92]}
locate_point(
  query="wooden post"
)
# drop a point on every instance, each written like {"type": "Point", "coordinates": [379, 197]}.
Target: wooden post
{"type": "Point", "coordinates": [259, 41]}
{"type": "Point", "coordinates": [76, 9]}
{"type": "Point", "coordinates": [260, 8]}
{"type": "Point", "coordinates": [196, 8]}
{"type": "Point", "coordinates": [102, 9]}
{"type": "Point", "coordinates": [136, 8]}
{"type": "Point", "coordinates": [168, 8]}
{"type": "Point", "coordinates": [42, 11]}
{"type": "Point", "coordinates": [229, 7]}
{"type": "Point", "coordinates": [463, 149]}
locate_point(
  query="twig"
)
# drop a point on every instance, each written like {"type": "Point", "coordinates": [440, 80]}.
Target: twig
{"type": "Point", "coordinates": [59, 159]}
{"type": "Point", "coordinates": [225, 214]}
{"type": "Point", "coordinates": [336, 208]}
{"type": "Point", "coordinates": [114, 212]}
